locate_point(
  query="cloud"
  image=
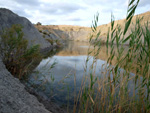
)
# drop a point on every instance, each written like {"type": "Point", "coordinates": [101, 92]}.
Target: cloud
{"type": "Point", "coordinates": [143, 3]}
{"type": "Point", "coordinates": [106, 3]}
{"type": "Point", "coordinates": [74, 12]}
{"type": "Point", "coordinates": [73, 19]}
{"type": "Point", "coordinates": [68, 7]}
{"type": "Point", "coordinates": [60, 8]}
{"type": "Point", "coordinates": [27, 2]}
{"type": "Point", "coordinates": [22, 13]}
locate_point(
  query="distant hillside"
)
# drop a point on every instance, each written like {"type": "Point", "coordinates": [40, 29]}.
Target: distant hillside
{"type": "Point", "coordinates": [104, 28]}
{"type": "Point", "coordinates": [79, 33]}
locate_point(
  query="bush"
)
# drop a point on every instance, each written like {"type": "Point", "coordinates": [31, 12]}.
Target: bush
{"type": "Point", "coordinates": [50, 41]}
{"type": "Point", "coordinates": [15, 52]}
{"type": "Point", "coordinates": [58, 42]}
{"type": "Point", "coordinates": [39, 23]}
{"type": "Point", "coordinates": [43, 36]}
{"type": "Point", "coordinates": [45, 33]}
{"type": "Point", "coordinates": [40, 31]}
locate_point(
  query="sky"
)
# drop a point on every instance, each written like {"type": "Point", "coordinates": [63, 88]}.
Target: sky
{"type": "Point", "coordinates": [71, 12]}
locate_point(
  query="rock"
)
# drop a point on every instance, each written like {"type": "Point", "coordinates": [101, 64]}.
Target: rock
{"type": "Point", "coordinates": [54, 44]}
{"type": "Point", "coordinates": [46, 32]}
{"type": "Point", "coordinates": [14, 98]}
{"type": "Point", "coordinates": [8, 18]}
{"type": "Point", "coordinates": [48, 35]}
{"type": "Point", "coordinates": [61, 32]}
{"type": "Point", "coordinates": [54, 37]}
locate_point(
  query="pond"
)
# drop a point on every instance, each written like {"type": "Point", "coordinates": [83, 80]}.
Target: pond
{"type": "Point", "coordinates": [59, 77]}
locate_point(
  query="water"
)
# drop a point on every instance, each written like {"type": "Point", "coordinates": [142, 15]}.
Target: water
{"type": "Point", "coordinates": [57, 83]}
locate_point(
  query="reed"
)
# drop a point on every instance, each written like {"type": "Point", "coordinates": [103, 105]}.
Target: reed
{"type": "Point", "coordinates": [116, 89]}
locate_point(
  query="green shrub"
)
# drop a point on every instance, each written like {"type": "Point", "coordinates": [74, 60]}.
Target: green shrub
{"type": "Point", "coordinates": [40, 31]}
{"type": "Point", "coordinates": [15, 53]}
{"type": "Point", "coordinates": [45, 33]}
{"type": "Point", "coordinates": [58, 42]}
{"type": "Point", "coordinates": [43, 36]}
{"type": "Point", "coordinates": [50, 41]}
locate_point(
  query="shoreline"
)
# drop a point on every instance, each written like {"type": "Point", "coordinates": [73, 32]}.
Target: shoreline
{"type": "Point", "coordinates": [48, 104]}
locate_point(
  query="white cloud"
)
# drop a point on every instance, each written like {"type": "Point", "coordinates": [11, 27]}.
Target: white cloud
{"type": "Point", "coordinates": [71, 12]}
{"type": "Point", "coordinates": [143, 3]}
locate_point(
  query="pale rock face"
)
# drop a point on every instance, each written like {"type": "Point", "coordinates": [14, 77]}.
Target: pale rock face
{"type": "Point", "coordinates": [81, 35]}
{"type": "Point", "coordinates": [8, 18]}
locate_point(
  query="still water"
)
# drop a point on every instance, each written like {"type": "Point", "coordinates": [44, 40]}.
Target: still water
{"type": "Point", "coordinates": [56, 76]}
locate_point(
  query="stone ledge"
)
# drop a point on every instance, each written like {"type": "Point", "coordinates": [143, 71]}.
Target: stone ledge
{"type": "Point", "coordinates": [13, 96]}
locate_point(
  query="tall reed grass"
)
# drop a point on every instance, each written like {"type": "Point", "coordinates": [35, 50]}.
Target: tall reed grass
{"type": "Point", "coordinates": [117, 89]}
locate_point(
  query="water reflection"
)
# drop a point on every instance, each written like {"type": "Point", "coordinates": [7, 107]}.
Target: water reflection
{"type": "Point", "coordinates": [81, 48]}
{"type": "Point", "coordinates": [58, 83]}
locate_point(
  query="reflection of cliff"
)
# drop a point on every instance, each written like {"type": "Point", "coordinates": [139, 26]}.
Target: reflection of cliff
{"type": "Point", "coordinates": [74, 49]}
{"type": "Point", "coordinates": [81, 48]}
{"type": "Point", "coordinates": [78, 33]}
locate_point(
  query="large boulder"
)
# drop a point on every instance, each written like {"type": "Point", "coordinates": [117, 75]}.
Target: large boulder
{"type": "Point", "coordinates": [13, 96]}
{"type": "Point", "coordinates": [8, 18]}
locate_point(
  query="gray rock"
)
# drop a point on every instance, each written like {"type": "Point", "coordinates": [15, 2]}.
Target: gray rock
{"type": "Point", "coordinates": [54, 37]}
{"type": "Point", "coordinates": [8, 18]}
{"type": "Point", "coordinates": [45, 32]}
{"type": "Point", "coordinates": [54, 44]}
{"type": "Point", "coordinates": [14, 98]}
{"type": "Point", "coordinates": [49, 35]}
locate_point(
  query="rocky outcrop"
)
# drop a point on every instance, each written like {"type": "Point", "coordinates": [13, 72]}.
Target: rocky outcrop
{"type": "Point", "coordinates": [48, 35]}
{"type": "Point", "coordinates": [63, 32]}
{"type": "Point", "coordinates": [8, 18]}
{"type": "Point", "coordinates": [79, 35]}
{"type": "Point", "coordinates": [14, 98]}
{"type": "Point", "coordinates": [53, 38]}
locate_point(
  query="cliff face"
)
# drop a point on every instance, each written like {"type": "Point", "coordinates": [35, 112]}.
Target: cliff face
{"type": "Point", "coordinates": [67, 32]}
{"type": "Point", "coordinates": [78, 33]}
{"type": "Point", "coordinates": [8, 18]}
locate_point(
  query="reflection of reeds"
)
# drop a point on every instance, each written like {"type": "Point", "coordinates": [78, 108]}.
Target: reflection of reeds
{"type": "Point", "coordinates": [118, 90]}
